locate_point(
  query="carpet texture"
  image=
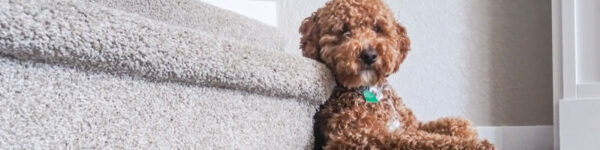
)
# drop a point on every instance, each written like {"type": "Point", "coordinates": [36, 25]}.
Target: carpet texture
{"type": "Point", "coordinates": [197, 15]}
{"type": "Point", "coordinates": [115, 74]}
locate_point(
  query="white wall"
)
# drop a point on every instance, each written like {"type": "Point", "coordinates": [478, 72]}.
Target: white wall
{"type": "Point", "coordinates": [577, 73]}
{"type": "Point", "coordinates": [263, 11]}
{"type": "Point", "coordinates": [489, 61]}
{"type": "Point", "coordinates": [588, 37]}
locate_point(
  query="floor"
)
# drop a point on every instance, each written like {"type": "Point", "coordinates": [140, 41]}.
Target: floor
{"type": "Point", "coordinates": [519, 137]}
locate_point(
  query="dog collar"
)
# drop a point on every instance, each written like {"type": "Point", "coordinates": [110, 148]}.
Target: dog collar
{"type": "Point", "coordinates": [371, 94]}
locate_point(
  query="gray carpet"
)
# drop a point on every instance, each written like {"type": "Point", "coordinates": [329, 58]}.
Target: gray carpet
{"type": "Point", "coordinates": [159, 75]}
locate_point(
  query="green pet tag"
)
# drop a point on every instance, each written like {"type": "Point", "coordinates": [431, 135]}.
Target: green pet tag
{"type": "Point", "coordinates": [369, 96]}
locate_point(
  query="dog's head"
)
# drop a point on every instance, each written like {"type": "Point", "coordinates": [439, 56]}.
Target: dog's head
{"type": "Point", "coordinates": [359, 40]}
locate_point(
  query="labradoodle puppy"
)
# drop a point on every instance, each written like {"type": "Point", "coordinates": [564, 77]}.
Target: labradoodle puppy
{"type": "Point", "coordinates": [361, 42]}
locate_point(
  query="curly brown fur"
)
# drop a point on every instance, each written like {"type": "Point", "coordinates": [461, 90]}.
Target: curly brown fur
{"type": "Point", "coordinates": [360, 41]}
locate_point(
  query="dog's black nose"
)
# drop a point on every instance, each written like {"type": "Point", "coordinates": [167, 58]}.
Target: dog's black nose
{"type": "Point", "coordinates": [369, 56]}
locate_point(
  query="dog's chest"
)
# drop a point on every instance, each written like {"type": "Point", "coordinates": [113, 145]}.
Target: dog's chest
{"type": "Point", "coordinates": [386, 102]}
{"type": "Point", "coordinates": [395, 121]}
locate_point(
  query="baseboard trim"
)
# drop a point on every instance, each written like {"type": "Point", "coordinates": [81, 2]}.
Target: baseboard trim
{"type": "Point", "coordinates": [519, 137]}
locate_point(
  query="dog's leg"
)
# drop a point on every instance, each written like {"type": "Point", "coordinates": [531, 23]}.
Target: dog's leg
{"type": "Point", "coordinates": [431, 141]}
{"type": "Point", "coordinates": [450, 126]}
{"type": "Point", "coordinates": [413, 140]}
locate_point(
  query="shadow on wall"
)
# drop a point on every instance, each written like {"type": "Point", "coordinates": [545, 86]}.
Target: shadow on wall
{"type": "Point", "coordinates": [518, 50]}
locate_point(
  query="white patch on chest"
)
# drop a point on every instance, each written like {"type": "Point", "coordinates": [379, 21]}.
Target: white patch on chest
{"type": "Point", "coordinates": [394, 123]}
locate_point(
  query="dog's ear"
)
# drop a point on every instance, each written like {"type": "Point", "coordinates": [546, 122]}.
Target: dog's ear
{"type": "Point", "coordinates": [402, 45]}
{"type": "Point", "coordinates": [309, 42]}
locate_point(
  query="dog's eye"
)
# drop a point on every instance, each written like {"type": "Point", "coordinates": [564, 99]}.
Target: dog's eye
{"type": "Point", "coordinates": [345, 30]}
{"type": "Point", "coordinates": [346, 33]}
{"type": "Point", "coordinates": [377, 29]}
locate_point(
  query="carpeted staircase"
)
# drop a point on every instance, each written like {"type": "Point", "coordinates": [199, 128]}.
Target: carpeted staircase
{"type": "Point", "coordinates": [150, 74]}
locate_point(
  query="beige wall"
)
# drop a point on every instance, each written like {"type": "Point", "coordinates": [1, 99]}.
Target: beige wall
{"type": "Point", "coordinates": [489, 61]}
